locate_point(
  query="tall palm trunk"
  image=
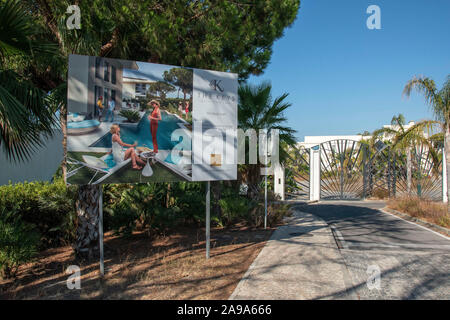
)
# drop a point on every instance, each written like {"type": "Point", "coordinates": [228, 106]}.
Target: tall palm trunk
{"type": "Point", "coordinates": [253, 181]}
{"type": "Point", "coordinates": [408, 170]}
{"type": "Point", "coordinates": [216, 189]}
{"type": "Point", "coordinates": [447, 158]}
{"type": "Point", "coordinates": [87, 206]}
{"type": "Point", "coordinates": [63, 121]}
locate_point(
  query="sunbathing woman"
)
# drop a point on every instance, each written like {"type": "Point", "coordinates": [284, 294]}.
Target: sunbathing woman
{"type": "Point", "coordinates": [119, 154]}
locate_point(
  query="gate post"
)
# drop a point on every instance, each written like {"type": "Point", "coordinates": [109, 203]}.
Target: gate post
{"type": "Point", "coordinates": [341, 176]}
{"type": "Point", "coordinates": [278, 177]}
{"type": "Point", "coordinates": [314, 173]}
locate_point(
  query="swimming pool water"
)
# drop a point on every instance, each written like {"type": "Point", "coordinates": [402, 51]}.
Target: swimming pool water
{"type": "Point", "coordinates": [142, 133]}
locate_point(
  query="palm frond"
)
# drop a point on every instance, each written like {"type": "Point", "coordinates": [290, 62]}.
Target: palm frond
{"type": "Point", "coordinates": [26, 118]}
{"type": "Point", "coordinates": [257, 110]}
{"type": "Point", "coordinates": [427, 87]}
{"type": "Point", "coordinates": [18, 35]}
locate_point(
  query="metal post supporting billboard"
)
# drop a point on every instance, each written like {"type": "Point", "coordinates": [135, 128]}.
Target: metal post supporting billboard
{"type": "Point", "coordinates": [265, 203]}
{"type": "Point", "coordinates": [265, 187]}
{"type": "Point", "coordinates": [208, 218]}
{"type": "Point", "coordinates": [100, 231]}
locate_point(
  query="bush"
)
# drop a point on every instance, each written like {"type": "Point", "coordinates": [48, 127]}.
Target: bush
{"type": "Point", "coordinates": [234, 209]}
{"type": "Point", "coordinates": [18, 242]}
{"type": "Point", "coordinates": [130, 115]}
{"type": "Point", "coordinates": [50, 207]}
{"type": "Point", "coordinates": [190, 199]}
{"type": "Point", "coordinates": [156, 207]}
{"type": "Point", "coordinates": [122, 219]}
{"type": "Point", "coordinates": [276, 211]}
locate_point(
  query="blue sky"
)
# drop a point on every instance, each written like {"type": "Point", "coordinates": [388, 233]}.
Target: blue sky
{"type": "Point", "coordinates": [343, 78]}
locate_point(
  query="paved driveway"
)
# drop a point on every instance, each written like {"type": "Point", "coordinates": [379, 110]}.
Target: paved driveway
{"type": "Point", "coordinates": [414, 262]}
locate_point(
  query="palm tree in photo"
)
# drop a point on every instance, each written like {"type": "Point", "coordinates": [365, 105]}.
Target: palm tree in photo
{"type": "Point", "coordinates": [257, 110]}
{"type": "Point", "coordinates": [439, 101]}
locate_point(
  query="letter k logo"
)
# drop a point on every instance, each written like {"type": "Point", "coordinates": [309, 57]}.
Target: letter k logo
{"type": "Point", "coordinates": [215, 84]}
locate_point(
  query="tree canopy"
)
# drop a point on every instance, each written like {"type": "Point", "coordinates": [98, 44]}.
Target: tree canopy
{"type": "Point", "coordinates": [26, 112]}
{"type": "Point", "coordinates": [160, 88]}
{"type": "Point", "coordinates": [182, 78]}
{"type": "Point", "coordinates": [223, 35]}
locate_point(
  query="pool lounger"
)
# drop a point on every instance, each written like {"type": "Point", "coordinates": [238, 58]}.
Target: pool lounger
{"type": "Point", "coordinates": [183, 171]}
{"type": "Point", "coordinates": [104, 164]}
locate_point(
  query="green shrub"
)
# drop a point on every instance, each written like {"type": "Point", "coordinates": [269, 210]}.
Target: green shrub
{"type": "Point", "coordinates": [48, 206]}
{"type": "Point", "coordinates": [189, 197]}
{"type": "Point", "coordinates": [123, 219]}
{"type": "Point", "coordinates": [156, 207]}
{"type": "Point", "coordinates": [130, 115]}
{"type": "Point", "coordinates": [234, 209]}
{"type": "Point", "coordinates": [276, 211]}
{"type": "Point", "coordinates": [18, 242]}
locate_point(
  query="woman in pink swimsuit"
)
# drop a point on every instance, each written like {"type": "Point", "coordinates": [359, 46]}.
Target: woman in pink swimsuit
{"type": "Point", "coordinates": [154, 118]}
{"type": "Point", "coordinates": [187, 109]}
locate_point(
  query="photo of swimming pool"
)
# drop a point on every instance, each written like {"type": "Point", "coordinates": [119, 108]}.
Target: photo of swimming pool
{"type": "Point", "coordinates": [145, 89]}
{"type": "Point", "coordinates": [142, 133]}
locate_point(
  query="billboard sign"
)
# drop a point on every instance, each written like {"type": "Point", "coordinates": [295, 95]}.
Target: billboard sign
{"type": "Point", "coordinates": [132, 122]}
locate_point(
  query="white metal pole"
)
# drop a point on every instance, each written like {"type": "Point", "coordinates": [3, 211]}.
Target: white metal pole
{"type": "Point", "coordinates": [265, 187]}
{"type": "Point", "coordinates": [100, 231]}
{"type": "Point", "coordinates": [208, 218]}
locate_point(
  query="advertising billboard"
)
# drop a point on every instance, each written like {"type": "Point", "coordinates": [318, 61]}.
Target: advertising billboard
{"type": "Point", "coordinates": [133, 122]}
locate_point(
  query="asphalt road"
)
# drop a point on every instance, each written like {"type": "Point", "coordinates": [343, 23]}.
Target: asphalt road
{"type": "Point", "coordinates": [414, 262]}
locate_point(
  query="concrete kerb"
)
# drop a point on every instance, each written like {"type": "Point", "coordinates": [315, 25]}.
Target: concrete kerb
{"type": "Point", "coordinates": [295, 202]}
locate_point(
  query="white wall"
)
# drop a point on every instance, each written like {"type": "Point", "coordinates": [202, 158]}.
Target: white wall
{"type": "Point", "coordinates": [128, 90]}
{"type": "Point", "coordinates": [311, 141]}
{"type": "Point", "coordinates": [77, 94]}
{"type": "Point", "coordinates": [42, 166]}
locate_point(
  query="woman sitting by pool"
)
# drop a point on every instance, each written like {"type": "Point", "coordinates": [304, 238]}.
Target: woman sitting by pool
{"type": "Point", "coordinates": [119, 154]}
{"type": "Point", "coordinates": [154, 117]}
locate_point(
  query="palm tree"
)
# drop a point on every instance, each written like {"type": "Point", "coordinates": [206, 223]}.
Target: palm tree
{"type": "Point", "coordinates": [27, 113]}
{"type": "Point", "coordinates": [32, 89]}
{"type": "Point", "coordinates": [403, 139]}
{"type": "Point", "coordinates": [439, 101]}
{"type": "Point", "coordinates": [257, 110]}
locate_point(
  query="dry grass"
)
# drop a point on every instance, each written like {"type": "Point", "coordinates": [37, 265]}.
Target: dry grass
{"type": "Point", "coordinates": [171, 267]}
{"type": "Point", "coordinates": [380, 193]}
{"type": "Point", "coordinates": [431, 211]}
